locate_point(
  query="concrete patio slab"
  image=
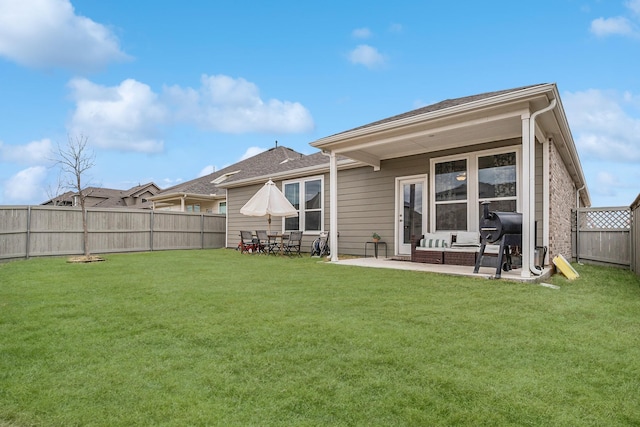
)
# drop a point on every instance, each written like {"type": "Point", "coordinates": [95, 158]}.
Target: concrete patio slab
{"type": "Point", "coordinates": [458, 270]}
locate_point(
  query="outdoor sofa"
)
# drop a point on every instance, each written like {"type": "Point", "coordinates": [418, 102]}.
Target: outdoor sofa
{"type": "Point", "coordinates": [450, 248]}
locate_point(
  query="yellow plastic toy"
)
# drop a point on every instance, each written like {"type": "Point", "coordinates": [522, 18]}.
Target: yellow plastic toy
{"type": "Point", "coordinates": [563, 265]}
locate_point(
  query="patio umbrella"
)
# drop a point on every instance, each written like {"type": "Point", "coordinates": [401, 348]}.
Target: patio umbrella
{"type": "Point", "coordinates": [269, 201]}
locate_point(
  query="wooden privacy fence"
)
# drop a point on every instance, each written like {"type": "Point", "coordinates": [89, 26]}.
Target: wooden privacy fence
{"type": "Point", "coordinates": [635, 235]}
{"type": "Point", "coordinates": [603, 235]}
{"type": "Point", "coordinates": [27, 231]}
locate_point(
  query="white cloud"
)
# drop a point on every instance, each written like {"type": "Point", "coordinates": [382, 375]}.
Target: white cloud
{"type": "Point", "coordinates": [619, 25]}
{"type": "Point", "coordinates": [26, 185]}
{"type": "Point", "coordinates": [229, 105]}
{"type": "Point", "coordinates": [131, 117]}
{"type": "Point", "coordinates": [609, 26]}
{"type": "Point", "coordinates": [605, 124]}
{"type": "Point", "coordinates": [48, 34]}
{"type": "Point", "coordinates": [367, 56]}
{"type": "Point", "coordinates": [170, 182]}
{"type": "Point", "coordinates": [125, 117]}
{"type": "Point", "coordinates": [617, 188]}
{"type": "Point", "coordinates": [252, 151]}
{"type": "Point", "coordinates": [207, 170]}
{"type": "Point", "coordinates": [361, 33]}
{"type": "Point", "coordinates": [634, 6]}
{"type": "Point", "coordinates": [606, 184]}
{"type": "Point", "coordinates": [35, 152]}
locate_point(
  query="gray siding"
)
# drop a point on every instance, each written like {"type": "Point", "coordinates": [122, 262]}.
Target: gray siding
{"type": "Point", "coordinates": [366, 200]}
{"type": "Point", "coordinates": [236, 222]}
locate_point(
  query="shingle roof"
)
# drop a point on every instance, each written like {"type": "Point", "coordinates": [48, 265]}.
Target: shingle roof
{"type": "Point", "coordinates": [447, 103]}
{"type": "Point", "coordinates": [107, 197]}
{"type": "Point", "coordinates": [270, 161]}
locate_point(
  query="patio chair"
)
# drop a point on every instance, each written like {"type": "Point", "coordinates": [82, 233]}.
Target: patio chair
{"type": "Point", "coordinates": [264, 244]}
{"type": "Point", "coordinates": [294, 243]}
{"type": "Point", "coordinates": [248, 244]}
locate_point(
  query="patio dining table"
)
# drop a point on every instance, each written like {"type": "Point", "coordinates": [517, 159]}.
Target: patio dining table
{"type": "Point", "coordinates": [278, 239]}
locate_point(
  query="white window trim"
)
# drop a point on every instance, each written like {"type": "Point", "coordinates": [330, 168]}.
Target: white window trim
{"type": "Point", "coordinates": [473, 201]}
{"type": "Point", "coordinates": [301, 209]}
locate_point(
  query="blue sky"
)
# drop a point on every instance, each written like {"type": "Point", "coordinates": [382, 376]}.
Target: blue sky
{"type": "Point", "coordinates": [168, 90]}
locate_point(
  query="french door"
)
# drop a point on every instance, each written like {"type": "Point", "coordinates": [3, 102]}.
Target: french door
{"type": "Point", "coordinates": [411, 210]}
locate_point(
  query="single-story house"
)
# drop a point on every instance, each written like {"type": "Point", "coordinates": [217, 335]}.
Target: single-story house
{"type": "Point", "coordinates": [135, 197]}
{"type": "Point", "coordinates": [429, 170]}
{"type": "Point", "coordinates": [204, 194]}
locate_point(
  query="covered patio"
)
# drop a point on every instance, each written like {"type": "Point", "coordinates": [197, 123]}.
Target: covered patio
{"type": "Point", "coordinates": [455, 270]}
{"type": "Point", "coordinates": [531, 116]}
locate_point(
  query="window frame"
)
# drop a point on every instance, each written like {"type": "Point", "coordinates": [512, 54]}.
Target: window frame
{"type": "Point", "coordinates": [473, 197]}
{"type": "Point", "coordinates": [432, 187]}
{"type": "Point", "coordinates": [302, 182]}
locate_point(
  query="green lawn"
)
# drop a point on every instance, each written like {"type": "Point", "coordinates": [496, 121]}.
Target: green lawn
{"type": "Point", "coordinates": [194, 338]}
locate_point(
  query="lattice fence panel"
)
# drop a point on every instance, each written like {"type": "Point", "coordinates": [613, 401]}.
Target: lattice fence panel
{"type": "Point", "coordinates": [605, 219]}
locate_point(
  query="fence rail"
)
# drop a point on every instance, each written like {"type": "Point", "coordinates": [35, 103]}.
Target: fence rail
{"type": "Point", "coordinates": [27, 231]}
{"type": "Point", "coordinates": [603, 235]}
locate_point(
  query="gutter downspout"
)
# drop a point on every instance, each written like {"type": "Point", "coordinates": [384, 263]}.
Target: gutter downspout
{"type": "Point", "coordinates": [333, 204]}
{"type": "Point", "coordinates": [578, 223]}
{"type": "Point", "coordinates": [532, 181]}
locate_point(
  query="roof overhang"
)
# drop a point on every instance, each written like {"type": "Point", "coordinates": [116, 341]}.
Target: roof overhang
{"type": "Point", "coordinates": [481, 121]}
{"type": "Point", "coordinates": [293, 173]}
{"type": "Point", "coordinates": [187, 196]}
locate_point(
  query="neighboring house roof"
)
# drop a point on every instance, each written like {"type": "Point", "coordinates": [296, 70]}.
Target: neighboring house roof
{"type": "Point", "coordinates": [109, 197]}
{"type": "Point", "coordinates": [259, 167]}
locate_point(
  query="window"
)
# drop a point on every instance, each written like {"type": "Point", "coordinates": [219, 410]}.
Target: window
{"type": "Point", "coordinates": [307, 197]}
{"type": "Point", "coordinates": [222, 207]}
{"type": "Point", "coordinates": [461, 183]}
{"type": "Point", "coordinates": [451, 194]}
{"type": "Point", "coordinates": [497, 182]}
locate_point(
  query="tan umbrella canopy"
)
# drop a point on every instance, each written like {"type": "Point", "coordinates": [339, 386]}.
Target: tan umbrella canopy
{"type": "Point", "coordinates": [269, 201]}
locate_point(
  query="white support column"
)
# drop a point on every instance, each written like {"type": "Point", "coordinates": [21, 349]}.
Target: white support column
{"type": "Point", "coordinates": [528, 193]}
{"type": "Point", "coordinates": [333, 206]}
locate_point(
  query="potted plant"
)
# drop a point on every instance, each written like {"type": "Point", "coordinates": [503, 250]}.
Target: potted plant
{"type": "Point", "coordinates": [376, 237]}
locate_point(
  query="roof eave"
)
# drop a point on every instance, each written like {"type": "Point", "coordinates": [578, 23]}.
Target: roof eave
{"type": "Point", "coordinates": [180, 195]}
{"type": "Point", "coordinates": [290, 174]}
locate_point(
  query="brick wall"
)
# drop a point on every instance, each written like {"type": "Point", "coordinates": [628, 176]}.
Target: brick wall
{"type": "Point", "coordinates": [562, 201]}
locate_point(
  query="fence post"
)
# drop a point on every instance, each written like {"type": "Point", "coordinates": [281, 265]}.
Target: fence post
{"type": "Point", "coordinates": [28, 243]}
{"type": "Point", "coordinates": [578, 235]}
{"type": "Point", "coordinates": [151, 232]}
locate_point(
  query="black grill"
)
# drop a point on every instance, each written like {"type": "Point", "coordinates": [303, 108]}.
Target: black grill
{"type": "Point", "coordinates": [494, 225]}
{"type": "Point", "coordinates": [504, 228]}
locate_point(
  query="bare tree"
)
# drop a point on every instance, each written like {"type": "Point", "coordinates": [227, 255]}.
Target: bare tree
{"type": "Point", "coordinates": [75, 159]}
{"type": "Point", "coordinates": [55, 193]}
